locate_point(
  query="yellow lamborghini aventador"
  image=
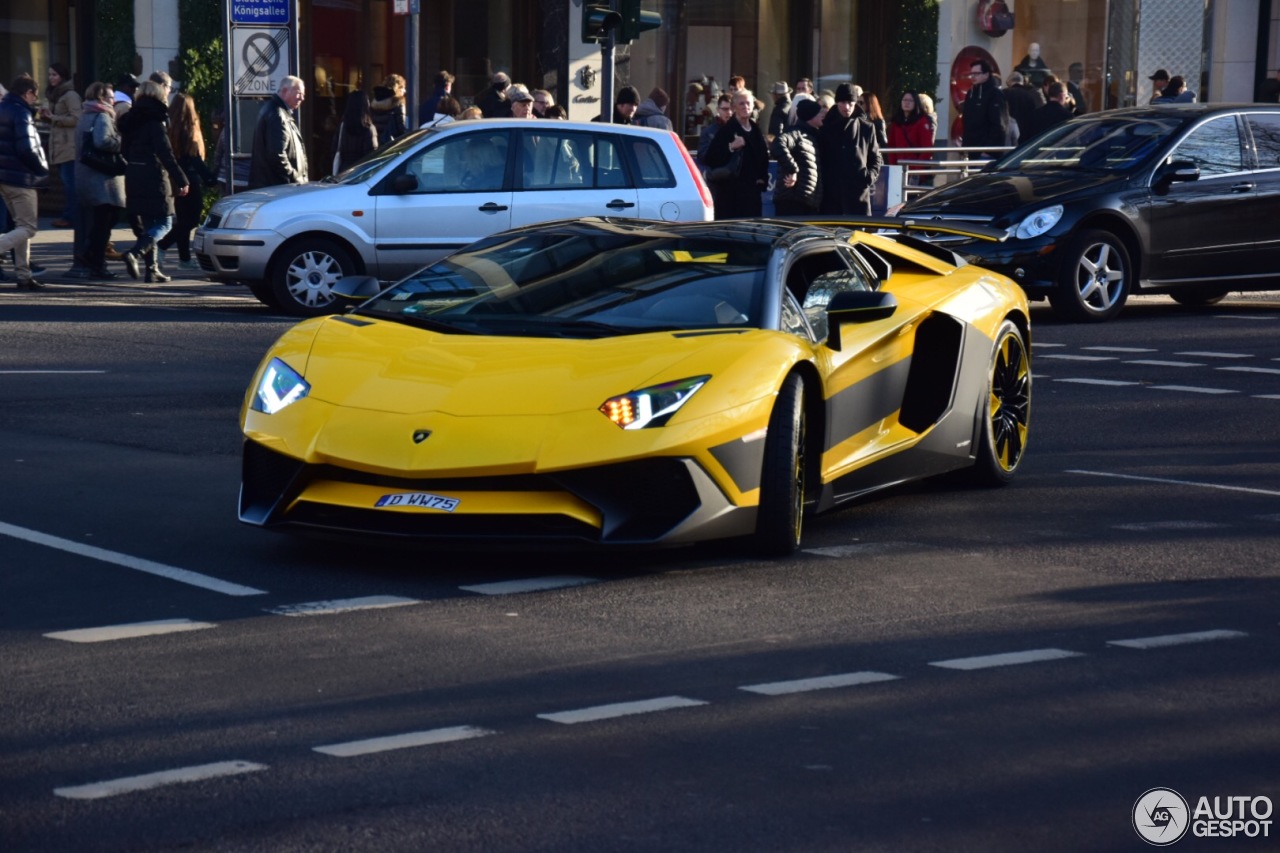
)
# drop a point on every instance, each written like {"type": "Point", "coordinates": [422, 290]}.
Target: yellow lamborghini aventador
{"type": "Point", "coordinates": [618, 382]}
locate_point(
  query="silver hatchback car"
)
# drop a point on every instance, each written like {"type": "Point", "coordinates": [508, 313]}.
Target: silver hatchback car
{"type": "Point", "coordinates": [434, 191]}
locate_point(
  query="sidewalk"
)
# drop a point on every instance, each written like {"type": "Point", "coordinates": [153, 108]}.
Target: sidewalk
{"type": "Point", "coordinates": [52, 248]}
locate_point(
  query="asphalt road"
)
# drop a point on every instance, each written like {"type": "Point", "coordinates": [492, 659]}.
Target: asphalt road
{"type": "Point", "coordinates": [939, 669]}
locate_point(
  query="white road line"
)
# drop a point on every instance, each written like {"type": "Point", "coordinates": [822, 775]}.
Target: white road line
{"type": "Point", "coordinates": [1041, 345]}
{"type": "Point", "coordinates": [1096, 381]}
{"type": "Point", "coordinates": [1266, 396]}
{"type": "Point", "coordinates": [128, 785]}
{"type": "Point", "coordinates": [1241, 317]}
{"type": "Point", "coordinates": [1006, 659]}
{"type": "Point", "coordinates": [135, 563]}
{"type": "Point", "coordinates": [621, 709]}
{"type": "Point", "coordinates": [129, 631]}
{"type": "Point", "coordinates": [59, 372]}
{"type": "Point", "coordinates": [1272, 370]}
{"type": "Point", "coordinates": [1174, 482]}
{"type": "Point", "coordinates": [1157, 363]}
{"type": "Point", "coordinates": [1080, 357]}
{"type": "Point", "coordinates": [1120, 349]}
{"type": "Point", "coordinates": [404, 741]}
{"type": "Point", "coordinates": [342, 605]}
{"type": "Point", "coordinates": [1177, 639]}
{"type": "Point", "coordinates": [863, 548]}
{"type": "Point", "coordinates": [1169, 525]}
{"type": "Point", "coordinates": [1198, 354]}
{"type": "Point", "coordinates": [826, 682]}
{"type": "Point", "coordinates": [1192, 389]}
{"type": "Point", "coordinates": [528, 585]}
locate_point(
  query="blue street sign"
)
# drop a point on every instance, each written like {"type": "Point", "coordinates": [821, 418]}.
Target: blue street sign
{"type": "Point", "coordinates": [261, 11]}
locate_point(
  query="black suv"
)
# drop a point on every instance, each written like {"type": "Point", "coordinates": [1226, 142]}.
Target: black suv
{"type": "Point", "coordinates": [1183, 200]}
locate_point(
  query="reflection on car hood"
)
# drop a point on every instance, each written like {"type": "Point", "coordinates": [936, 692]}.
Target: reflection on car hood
{"type": "Point", "coordinates": [388, 367]}
{"type": "Point", "coordinates": [997, 194]}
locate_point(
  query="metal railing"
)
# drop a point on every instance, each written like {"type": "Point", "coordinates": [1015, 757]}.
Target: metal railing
{"type": "Point", "coordinates": [916, 175]}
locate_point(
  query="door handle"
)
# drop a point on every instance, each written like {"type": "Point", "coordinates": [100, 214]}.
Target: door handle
{"type": "Point", "coordinates": [1242, 188]}
{"type": "Point", "coordinates": [492, 207]}
{"type": "Point", "coordinates": [619, 204]}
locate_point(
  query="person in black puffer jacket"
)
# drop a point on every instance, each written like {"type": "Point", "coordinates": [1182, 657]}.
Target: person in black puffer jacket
{"type": "Point", "coordinates": [799, 188]}
{"type": "Point", "coordinates": [152, 178]}
{"type": "Point", "coordinates": [23, 167]}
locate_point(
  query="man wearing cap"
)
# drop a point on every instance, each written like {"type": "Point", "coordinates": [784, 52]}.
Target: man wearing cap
{"type": "Point", "coordinates": [1158, 81]}
{"type": "Point", "coordinates": [799, 188]}
{"type": "Point", "coordinates": [625, 104]}
{"type": "Point", "coordinates": [493, 101]}
{"type": "Point", "coordinates": [781, 106]}
{"type": "Point", "coordinates": [1176, 92]}
{"type": "Point", "coordinates": [22, 167]}
{"type": "Point", "coordinates": [126, 86]}
{"type": "Point", "coordinates": [652, 112]}
{"type": "Point", "coordinates": [521, 100]}
{"type": "Point", "coordinates": [849, 157]}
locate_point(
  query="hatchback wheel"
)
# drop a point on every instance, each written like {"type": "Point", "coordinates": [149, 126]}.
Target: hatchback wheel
{"type": "Point", "coordinates": [303, 279]}
{"type": "Point", "coordinates": [1096, 278]}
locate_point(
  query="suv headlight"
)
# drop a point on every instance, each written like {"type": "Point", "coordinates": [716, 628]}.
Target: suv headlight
{"type": "Point", "coordinates": [1039, 222]}
{"type": "Point", "coordinates": [241, 215]}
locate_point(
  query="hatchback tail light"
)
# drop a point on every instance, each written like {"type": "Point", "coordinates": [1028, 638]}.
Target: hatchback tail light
{"type": "Point", "coordinates": [703, 190]}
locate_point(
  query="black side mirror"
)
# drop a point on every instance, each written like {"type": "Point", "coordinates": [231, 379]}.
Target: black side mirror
{"type": "Point", "coordinates": [860, 306]}
{"type": "Point", "coordinates": [357, 288]}
{"type": "Point", "coordinates": [404, 184]}
{"type": "Point", "coordinates": [1176, 172]}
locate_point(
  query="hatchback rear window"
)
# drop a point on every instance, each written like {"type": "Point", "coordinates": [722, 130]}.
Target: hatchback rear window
{"type": "Point", "coordinates": [651, 166]}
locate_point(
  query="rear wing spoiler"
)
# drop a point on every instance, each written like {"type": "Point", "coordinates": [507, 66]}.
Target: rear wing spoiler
{"type": "Point", "coordinates": [906, 224]}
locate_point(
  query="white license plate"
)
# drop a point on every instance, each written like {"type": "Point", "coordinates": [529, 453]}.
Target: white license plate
{"type": "Point", "coordinates": [197, 242]}
{"type": "Point", "coordinates": [422, 500]}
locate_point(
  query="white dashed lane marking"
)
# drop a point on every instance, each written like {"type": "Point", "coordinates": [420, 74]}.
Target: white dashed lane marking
{"type": "Point", "coordinates": [127, 632]}
{"type": "Point", "coordinates": [1200, 354]}
{"type": "Point", "coordinates": [1152, 362]}
{"type": "Point", "coordinates": [1142, 526]}
{"type": "Point", "coordinates": [129, 784]}
{"type": "Point", "coordinates": [1192, 389]}
{"type": "Point", "coordinates": [344, 605]}
{"type": "Point", "coordinates": [1006, 659]}
{"type": "Point", "coordinates": [1120, 349]}
{"type": "Point", "coordinates": [403, 741]}
{"type": "Point", "coordinates": [528, 585]}
{"type": "Point", "coordinates": [1178, 639]}
{"type": "Point", "coordinates": [1084, 381]}
{"type": "Point", "coordinates": [137, 564]}
{"type": "Point", "coordinates": [621, 709]}
{"type": "Point", "coordinates": [1175, 482]}
{"type": "Point", "coordinates": [1058, 357]}
{"type": "Point", "coordinates": [826, 682]}
{"type": "Point", "coordinates": [1271, 370]}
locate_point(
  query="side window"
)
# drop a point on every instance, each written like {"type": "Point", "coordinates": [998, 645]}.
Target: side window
{"type": "Point", "coordinates": [1265, 128]}
{"type": "Point", "coordinates": [554, 161]}
{"type": "Point", "coordinates": [1213, 146]}
{"type": "Point", "coordinates": [475, 162]}
{"type": "Point", "coordinates": [816, 277]}
{"type": "Point", "coordinates": [793, 317]}
{"type": "Point", "coordinates": [651, 165]}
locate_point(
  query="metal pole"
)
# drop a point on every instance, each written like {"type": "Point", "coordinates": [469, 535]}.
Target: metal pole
{"type": "Point", "coordinates": [412, 73]}
{"type": "Point", "coordinates": [606, 77]}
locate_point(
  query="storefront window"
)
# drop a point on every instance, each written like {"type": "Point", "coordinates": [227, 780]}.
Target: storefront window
{"type": "Point", "coordinates": [1065, 38]}
{"type": "Point", "coordinates": [835, 39]}
{"type": "Point", "coordinates": [25, 40]}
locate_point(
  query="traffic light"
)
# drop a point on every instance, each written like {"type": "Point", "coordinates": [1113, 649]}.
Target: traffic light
{"type": "Point", "coordinates": [597, 21]}
{"type": "Point", "coordinates": [635, 21]}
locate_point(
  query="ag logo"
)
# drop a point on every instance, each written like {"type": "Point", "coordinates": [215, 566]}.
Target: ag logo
{"type": "Point", "coordinates": [1161, 817]}
{"type": "Point", "coordinates": [421, 435]}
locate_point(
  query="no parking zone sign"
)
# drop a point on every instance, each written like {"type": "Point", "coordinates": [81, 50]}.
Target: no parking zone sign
{"type": "Point", "coordinates": [259, 59]}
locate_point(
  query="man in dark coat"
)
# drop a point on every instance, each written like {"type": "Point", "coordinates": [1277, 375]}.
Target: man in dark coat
{"type": "Point", "coordinates": [849, 157]}
{"type": "Point", "coordinates": [1053, 113]}
{"type": "Point", "coordinates": [22, 167]}
{"type": "Point", "coordinates": [781, 107]}
{"type": "Point", "coordinates": [1022, 100]}
{"type": "Point", "coordinates": [443, 86]}
{"type": "Point", "coordinates": [986, 117]}
{"type": "Point", "coordinates": [279, 156]}
{"type": "Point", "coordinates": [493, 101]}
{"type": "Point", "coordinates": [799, 187]}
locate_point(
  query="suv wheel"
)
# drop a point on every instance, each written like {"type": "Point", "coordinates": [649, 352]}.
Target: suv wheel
{"type": "Point", "coordinates": [303, 278]}
{"type": "Point", "coordinates": [1096, 278]}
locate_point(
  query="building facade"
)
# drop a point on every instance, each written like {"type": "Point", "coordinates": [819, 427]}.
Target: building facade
{"type": "Point", "coordinates": [1224, 49]}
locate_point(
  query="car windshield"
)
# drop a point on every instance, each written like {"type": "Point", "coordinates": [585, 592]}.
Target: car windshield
{"type": "Point", "coordinates": [1112, 144]}
{"type": "Point", "coordinates": [363, 169]}
{"type": "Point", "coordinates": [565, 284]}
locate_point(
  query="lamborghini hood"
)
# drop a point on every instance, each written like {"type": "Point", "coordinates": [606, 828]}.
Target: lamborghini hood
{"type": "Point", "coordinates": [398, 369]}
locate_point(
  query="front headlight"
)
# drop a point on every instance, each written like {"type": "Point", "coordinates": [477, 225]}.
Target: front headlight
{"type": "Point", "coordinates": [1039, 222]}
{"type": "Point", "coordinates": [241, 215]}
{"type": "Point", "coordinates": [653, 406]}
{"type": "Point", "coordinates": [279, 386]}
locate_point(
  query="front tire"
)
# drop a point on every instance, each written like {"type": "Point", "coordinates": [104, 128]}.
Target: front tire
{"type": "Point", "coordinates": [1096, 278]}
{"type": "Point", "coordinates": [303, 278]}
{"type": "Point", "coordinates": [1006, 415]}
{"type": "Point", "coordinates": [1198, 297]}
{"type": "Point", "coordinates": [780, 518]}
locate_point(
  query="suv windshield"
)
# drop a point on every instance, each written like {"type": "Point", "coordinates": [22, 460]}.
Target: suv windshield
{"type": "Point", "coordinates": [1112, 144]}
{"type": "Point", "coordinates": [583, 285]}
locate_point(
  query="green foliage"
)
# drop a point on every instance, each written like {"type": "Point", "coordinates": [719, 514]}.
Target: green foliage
{"type": "Point", "coordinates": [113, 43]}
{"type": "Point", "coordinates": [913, 57]}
